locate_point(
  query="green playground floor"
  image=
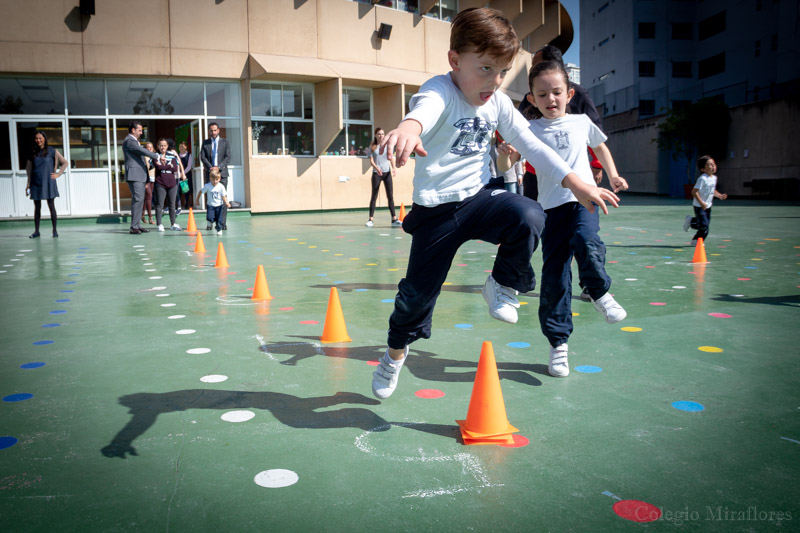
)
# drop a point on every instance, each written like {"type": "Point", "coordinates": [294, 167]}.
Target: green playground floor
{"type": "Point", "coordinates": [142, 389]}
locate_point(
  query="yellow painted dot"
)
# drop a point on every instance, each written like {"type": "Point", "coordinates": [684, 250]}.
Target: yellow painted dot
{"type": "Point", "coordinates": [670, 234]}
{"type": "Point", "coordinates": [354, 259]}
{"type": "Point", "coordinates": [576, 314]}
{"type": "Point", "coordinates": [392, 269]}
{"type": "Point", "coordinates": [338, 254]}
{"type": "Point", "coordinates": [326, 250]}
{"type": "Point", "coordinates": [710, 349]}
{"type": "Point", "coordinates": [447, 283]}
{"type": "Point", "coordinates": [726, 240]}
{"type": "Point", "coordinates": [616, 242]}
{"type": "Point", "coordinates": [523, 303]}
{"type": "Point", "coordinates": [678, 250]}
{"type": "Point", "coordinates": [714, 254]}
{"type": "Point", "coordinates": [291, 239]}
{"type": "Point", "coordinates": [301, 242]}
{"type": "Point", "coordinates": [372, 264]}
{"type": "Point", "coordinates": [643, 231]}
{"type": "Point", "coordinates": [631, 329]}
{"type": "Point", "coordinates": [756, 259]}
{"type": "Point", "coordinates": [312, 246]}
{"type": "Point", "coordinates": [774, 240]}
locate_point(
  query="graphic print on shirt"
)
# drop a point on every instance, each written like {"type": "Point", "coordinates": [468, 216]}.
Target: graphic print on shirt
{"type": "Point", "coordinates": [562, 140]}
{"type": "Point", "coordinates": [474, 136]}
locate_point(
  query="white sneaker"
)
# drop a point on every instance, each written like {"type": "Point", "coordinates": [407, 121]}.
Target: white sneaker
{"type": "Point", "coordinates": [369, 224]}
{"type": "Point", "coordinates": [176, 227]}
{"type": "Point", "coordinates": [585, 295]}
{"type": "Point", "coordinates": [384, 379]}
{"type": "Point", "coordinates": [219, 232]}
{"type": "Point", "coordinates": [396, 223]}
{"type": "Point", "coordinates": [558, 366]}
{"type": "Point", "coordinates": [161, 227]}
{"type": "Point", "coordinates": [503, 303]}
{"type": "Point", "coordinates": [611, 310]}
{"type": "Point", "coordinates": [687, 222]}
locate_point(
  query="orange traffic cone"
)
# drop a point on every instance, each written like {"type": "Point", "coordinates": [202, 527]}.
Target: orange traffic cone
{"type": "Point", "coordinates": [191, 226]}
{"type": "Point", "coordinates": [699, 252]}
{"type": "Point", "coordinates": [222, 260]}
{"type": "Point", "coordinates": [260, 289]}
{"type": "Point", "coordinates": [486, 421]}
{"type": "Point", "coordinates": [402, 212]}
{"type": "Point", "coordinates": [335, 329]}
{"type": "Point", "coordinates": [199, 247]}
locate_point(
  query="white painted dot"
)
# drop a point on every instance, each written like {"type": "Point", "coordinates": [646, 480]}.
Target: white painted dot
{"type": "Point", "coordinates": [214, 378]}
{"type": "Point", "coordinates": [3, 271]}
{"type": "Point", "coordinates": [8, 265]}
{"type": "Point", "coordinates": [155, 277]}
{"type": "Point", "coordinates": [143, 253]}
{"type": "Point", "coordinates": [383, 234]}
{"type": "Point", "coordinates": [737, 295]}
{"type": "Point", "coordinates": [198, 351]}
{"type": "Point", "coordinates": [238, 416]}
{"type": "Point", "coordinates": [13, 259]}
{"type": "Point", "coordinates": [176, 317]}
{"type": "Point", "coordinates": [158, 288]}
{"type": "Point", "coordinates": [138, 245]}
{"type": "Point", "coordinates": [277, 478]}
{"type": "Point", "coordinates": [20, 255]}
{"type": "Point", "coordinates": [145, 259]}
{"type": "Point", "coordinates": [149, 269]}
{"type": "Point", "coordinates": [26, 250]}
{"type": "Point", "coordinates": [185, 331]}
{"type": "Point", "coordinates": [147, 264]}
{"type": "Point", "coordinates": [630, 279]}
{"type": "Point", "coordinates": [678, 287]}
{"type": "Point", "coordinates": [162, 295]}
{"type": "Point", "coordinates": [167, 305]}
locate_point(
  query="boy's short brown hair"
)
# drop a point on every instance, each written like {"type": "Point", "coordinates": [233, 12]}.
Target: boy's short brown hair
{"type": "Point", "coordinates": [214, 173]}
{"type": "Point", "coordinates": [484, 30]}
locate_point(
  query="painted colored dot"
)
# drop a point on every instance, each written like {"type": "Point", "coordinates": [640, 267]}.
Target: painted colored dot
{"type": "Point", "coordinates": [631, 329]}
{"type": "Point", "coordinates": [50, 325]}
{"type": "Point", "coordinates": [66, 291]}
{"type": "Point", "coordinates": [637, 511]}
{"type": "Point", "coordinates": [387, 300]}
{"type": "Point", "coordinates": [277, 478]}
{"type": "Point", "coordinates": [588, 369]}
{"type": "Point", "coordinates": [752, 268]}
{"type": "Point", "coordinates": [613, 261]}
{"type": "Point", "coordinates": [372, 363]}
{"type": "Point", "coordinates": [691, 407]}
{"type": "Point", "coordinates": [518, 345]}
{"type": "Point", "coordinates": [7, 442]}
{"type": "Point", "coordinates": [58, 312]}
{"type": "Point", "coordinates": [464, 326]}
{"type": "Point", "coordinates": [214, 378]}
{"type": "Point", "coordinates": [305, 268]}
{"type": "Point", "coordinates": [21, 397]}
{"type": "Point", "coordinates": [523, 303]}
{"type": "Point", "coordinates": [743, 279]}
{"type": "Point", "coordinates": [158, 288]}
{"type": "Point", "coordinates": [360, 290]}
{"type": "Point", "coordinates": [168, 305]}
{"type": "Point", "coordinates": [162, 295]}
{"type": "Point", "coordinates": [309, 321]}
{"type": "Point", "coordinates": [632, 253]}
{"type": "Point", "coordinates": [710, 349]}
{"type": "Point", "coordinates": [720, 315]}
{"type": "Point", "coordinates": [238, 416]}
{"type": "Point", "coordinates": [185, 331]}
{"type": "Point", "coordinates": [32, 365]}
{"type": "Point", "coordinates": [447, 283]}
{"type": "Point", "coordinates": [155, 277]}
{"type": "Point", "coordinates": [575, 314]}
{"type": "Point", "coordinates": [198, 351]}
{"type": "Point", "coordinates": [649, 267]}
{"type": "Point", "coordinates": [321, 275]}
{"type": "Point", "coordinates": [678, 287]}
{"type": "Point", "coordinates": [519, 442]}
{"type": "Point", "coordinates": [285, 308]}
{"type": "Point", "coordinates": [62, 300]}
{"type": "Point", "coordinates": [631, 279]}
{"type": "Point", "coordinates": [429, 393]}
{"type": "Point", "coordinates": [42, 343]}
{"type": "Point", "coordinates": [658, 303]}
{"type": "Point", "coordinates": [176, 317]}
{"type": "Point", "coordinates": [70, 282]}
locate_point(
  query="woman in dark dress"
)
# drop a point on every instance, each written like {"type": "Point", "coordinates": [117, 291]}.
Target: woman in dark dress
{"type": "Point", "coordinates": [42, 175]}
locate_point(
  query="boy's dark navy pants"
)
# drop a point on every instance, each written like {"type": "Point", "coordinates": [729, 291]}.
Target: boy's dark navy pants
{"type": "Point", "coordinates": [570, 230]}
{"type": "Point", "coordinates": [701, 222]}
{"type": "Point", "coordinates": [493, 215]}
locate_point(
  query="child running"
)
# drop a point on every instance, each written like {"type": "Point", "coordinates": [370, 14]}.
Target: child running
{"type": "Point", "coordinates": [570, 229]}
{"type": "Point", "coordinates": [216, 197]}
{"type": "Point", "coordinates": [703, 194]}
{"type": "Point", "coordinates": [455, 116]}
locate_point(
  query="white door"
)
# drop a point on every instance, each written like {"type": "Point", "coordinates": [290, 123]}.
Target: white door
{"type": "Point", "coordinates": [197, 135]}
{"type": "Point", "coordinates": [8, 199]}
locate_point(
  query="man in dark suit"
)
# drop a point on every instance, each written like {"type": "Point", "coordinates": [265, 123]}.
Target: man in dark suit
{"type": "Point", "coordinates": [136, 173]}
{"type": "Point", "coordinates": [216, 153]}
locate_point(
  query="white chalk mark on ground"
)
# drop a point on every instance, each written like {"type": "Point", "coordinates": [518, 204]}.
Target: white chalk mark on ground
{"type": "Point", "coordinates": [791, 440]}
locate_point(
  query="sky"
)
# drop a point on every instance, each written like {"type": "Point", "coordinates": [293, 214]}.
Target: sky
{"type": "Point", "coordinates": [573, 55]}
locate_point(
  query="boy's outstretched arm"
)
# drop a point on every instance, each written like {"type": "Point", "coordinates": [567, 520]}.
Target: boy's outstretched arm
{"type": "Point", "coordinates": [589, 195]}
{"type": "Point", "coordinates": [404, 139]}
{"type": "Point", "coordinates": [603, 154]}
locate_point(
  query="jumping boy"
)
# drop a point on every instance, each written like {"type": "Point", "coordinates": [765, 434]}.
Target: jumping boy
{"type": "Point", "coordinates": [455, 116]}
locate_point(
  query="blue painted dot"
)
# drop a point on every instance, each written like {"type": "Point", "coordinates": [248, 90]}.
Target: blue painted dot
{"type": "Point", "coordinates": [691, 407]}
{"type": "Point", "coordinates": [70, 275]}
{"type": "Point", "coordinates": [388, 300]}
{"type": "Point", "coordinates": [632, 253]}
{"type": "Point", "coordinates": [50, 325]}
{"type": "Point", "coordinates": [67, 291]}
{"type": "Point", "coordinates": [62, 300]}
{"type": "Point", "coordinates": [305, 268]}
{"type": "Point", "coordinates": [518, 345]}
{"type": "Point", "coordinates": [83, 248]}
{"type": "Point", "coordinates": [76, 268]}
{"type": "Point", "coordinates": [588, 369]}
{"type": "Point", "coordinates": [464, 326]}
{"type": "Point", "coordinates": [22, 396]}
{"type": "Point", "coordinates": [32, 365]}
{"type": "Point", "coordinates": [70, 282]}
{"type": "Point", "coordinates": [78, 262]}
{"type": "Point", "coordinates": [241, 241]}
{"type": "Point", "coordinates": [267, 253]}
{"type": "Point", "coordinates": [752, 268]}
{"type": "Point", "coordinates": [58, 312]}
{"type": "Point", "coordinates": [42, 343]}
{"type": "Point", "coordinates": [360, 290]}
{"type": "Point", "coordinates": [291, 262]}
{"type": "Point", "coordinates": [338, 282]}
{"type": "Point", "coordinates": [7, 442]}
{"type": "Point", "coordinates": [278, 257]}
{"type": "Point", "coordinates": [321, 275]}
{"type": "Point", "coordinates": [666, 257]}
{"type": "Point", "coordinates": [259, 249]}
{"type": "Point", "coordinates": [251, 245]}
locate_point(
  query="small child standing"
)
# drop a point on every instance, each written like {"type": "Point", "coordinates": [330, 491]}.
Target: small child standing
{"type": "Point", "coordinates": [703, 194]}
{"type": "Point", "coordinates": [456, 115]}
{"type": "Point", "coordinates": [570, 229]}
{"type": "Point", "coordinates": [217, 196]}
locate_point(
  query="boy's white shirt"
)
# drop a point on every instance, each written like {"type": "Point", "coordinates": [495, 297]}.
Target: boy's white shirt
{"type": "Point", "coordinates": [456, 136]}
{"type": "Point", "coordinates": [215, 193]}
{"type": "Point", "coordinates": [568, 136]}
{"type": "Point", "coordinates": [705, 185]}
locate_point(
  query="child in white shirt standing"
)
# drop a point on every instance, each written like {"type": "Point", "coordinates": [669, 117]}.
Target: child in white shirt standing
{"type": "Point", "coordinates": [703, 194]}
{"type": "Point", "coordinates": [217, 197]}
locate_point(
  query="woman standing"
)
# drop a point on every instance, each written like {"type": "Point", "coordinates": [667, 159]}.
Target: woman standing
{"type": "Point", "coordinates": [149, 185]}
{"type": "Point", "coordinates": [42, 175]}
{"type": "Point", "coordinates": [188, 162]}
{"type": "Point", "coordinates": [382, 171]}
{"type": "Point", "coordinates": [166, 184]}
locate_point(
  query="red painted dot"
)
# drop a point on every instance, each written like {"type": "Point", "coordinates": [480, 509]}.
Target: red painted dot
{"type": "Point", "coordinates": [461, 264]}
{"type": "Point", "coordinates": [429, 393]}
{"type": "Point", "coordinates": [612, 261]}
{"type": "Point", "coordinates": [758, 250]}
{"type": "Point", "coordinates": [657, 303]}
{"type": "Point", "coordinates": [519, 442]}
{"type": "Point", "coordinates": [231, 273]}
{"type": "Point", "coordinates": [637, 511]}
{"type": "Point", "coordinates": [241, 281]}
{"type": "Point", "coordinates": [339, 237]}
{"type": "Point", "coordinates": [487, 270]}
{"type": "Point", "coordinates": [285, 308]}
{"type": "Point", "coordinates": [720, 315]}
{"type": "Point", "coordinates": [659, 240]}
{"type": "Point", "coordinates": [309, 321]}
{"type": "Point", "coordinates": [379, 247]}
{"type": "Point", "coordinates": [722, 246]}
{"type": "Point", "coordinates": [649, 267]}
{"type": "Point", "coordinates": [743, 279]}
{"type": "Point", "coordinates": [372, 363]}
{"type": "Point", "coordinates": [250, 289]}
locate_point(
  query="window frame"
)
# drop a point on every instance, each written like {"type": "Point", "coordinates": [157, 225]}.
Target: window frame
{"type": "Point", "coordinates": [347, 121]}
{"type": "Point", "coordinates": [283, 119]}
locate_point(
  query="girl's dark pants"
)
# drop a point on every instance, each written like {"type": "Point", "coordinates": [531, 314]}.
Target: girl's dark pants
{"type": "Point", "coordinates": [493, 215]}
{"type": "Point", "coordinates": [570, 230]}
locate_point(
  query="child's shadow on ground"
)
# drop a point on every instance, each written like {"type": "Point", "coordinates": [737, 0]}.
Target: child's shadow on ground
{"type": "Point", "coordinates": [291, 411]}
{"type": "Point", "coordinates": [423, 365]}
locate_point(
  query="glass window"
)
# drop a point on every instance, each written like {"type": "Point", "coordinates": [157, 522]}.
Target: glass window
{"type": "Point", "coordinates": [290, 131]}
{"type": "Point", "coordinates": [711, 66]}
{"type": "Point", "coordinates": [26, 131]}
{"type": "Point", "coordinates": [5, 146]}
{"type": "Point", "coordinates": [152, 97]}
{"type": "Point", "coordinates": [681, 69]}
{"type": "Point", "coordinates": [265, 101]}
{"type": "Point", "coordinates": [222, 99]}
{"type": "Point", "coordinates": [267, 137]}
{"type": "Point", "coordinates": [711, 26]}
{"type": "Point", "coordinates": [647, 107]}
{"type": "Point", "coordinates": [647, 30]}
{"type": "Point", "coordinates": [359, 137]}
{"type": "Point", "coordinates": [356, 104]}
{"type": "Point", "coordinates": [86, 97]}
{"type": "Point", "coordinates": [647, 69]}
{"type": "Point", "coordinates": [87, 143]}
{"type": "Point", "coordinates": [299, 138]}
{"type": "Point", "coordinates": [31, 96]}
{"type": "Point", "coordinates": [355, 137]}
{"type": "Point", "coordinates": [308, 99]}
{"type": "Point", "coordinates": [231, 129]}
{"type": "Point", "coordinates": [292, 101]}
{"type": "Point", "coordinates": [682, 30]}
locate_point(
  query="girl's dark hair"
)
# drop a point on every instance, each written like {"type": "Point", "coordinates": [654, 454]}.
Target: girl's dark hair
{"type": "Point", "coordinates": [35, 152]}
{"type": "Point", "coordinates": [530, 111]}
{"type": "Point", "coordinates": [702, 161]}
{"type": "Point", "coordinates": [375, 138]}
{"type": "Point", "coordinates": [171, 144]}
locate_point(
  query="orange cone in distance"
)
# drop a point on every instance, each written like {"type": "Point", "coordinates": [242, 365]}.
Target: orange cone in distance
{"type": "Point", "coordinates": [699, 252]}
{"type": "Point", "coordinates": [335, 329]}
{"type": "Point", "coordinates": [402, 212]}
{"type": "Point", "coordinates": [199, 247]}
{"type": "Point", "coordinates": [191, 226]}
{"type": "Point", "coordinates": [260, 289]}
{"type": "Point", "coordinates": [486, 421]}
{"type": "Point", "coordinates": [222, 260]}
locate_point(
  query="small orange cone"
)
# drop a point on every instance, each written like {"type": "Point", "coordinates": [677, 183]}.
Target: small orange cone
{"type": "Point", "coordinates": [222, 260]}
{"type": "Point", "coordinates": [402, 212]}
{"type": "Point", "coordinates": [699, 252]}
{"type": "Point", "coordinates": [191, 226]}
{"type": "Point", "coordinates": [260, 289]}
{"type": "Point", "coordinates": [199, 247]}
{"type": "Point", "coordinates": [486, 421]}
{"type": "Point", "coordinates": [335, 329]}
